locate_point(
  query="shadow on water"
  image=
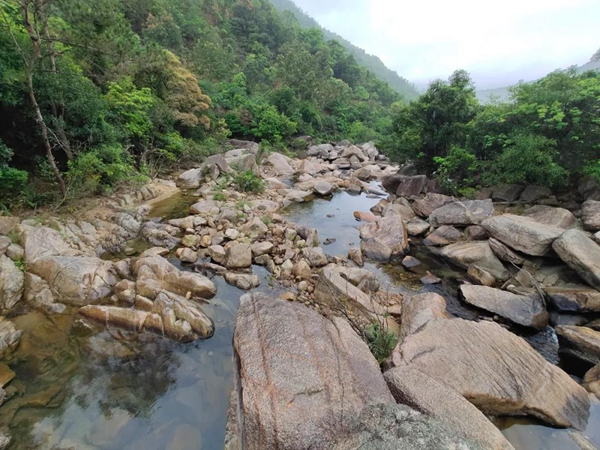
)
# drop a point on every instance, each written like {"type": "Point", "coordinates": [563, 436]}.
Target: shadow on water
{"type": "Point", "coordinates": [113, 390]}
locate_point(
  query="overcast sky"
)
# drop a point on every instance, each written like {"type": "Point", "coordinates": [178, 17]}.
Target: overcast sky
{"type": "Point", "coordinates": [498, 42]}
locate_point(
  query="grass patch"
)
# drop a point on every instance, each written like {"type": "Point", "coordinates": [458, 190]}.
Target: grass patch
{"type": "Point", "coordinates": [381, 341]}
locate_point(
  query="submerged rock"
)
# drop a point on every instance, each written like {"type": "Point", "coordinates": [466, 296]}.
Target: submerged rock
{"type": "Point", "coordinates": [581, 254]}
{"type": "Point", "coordinates": [302, 380]}
{"type": "Point", "coordinates": [495, 370]}
{"type": "Point", "coordinates": [429, 396]}
{"type": "Point", "coordinates": [526, 310]}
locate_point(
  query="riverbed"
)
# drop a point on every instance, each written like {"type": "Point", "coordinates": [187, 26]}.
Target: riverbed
{"type": "Point", "coordinates": [77, 388]}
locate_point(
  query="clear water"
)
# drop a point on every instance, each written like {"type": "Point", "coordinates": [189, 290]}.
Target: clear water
{"type": "Point", "coordinates": [116, 390]}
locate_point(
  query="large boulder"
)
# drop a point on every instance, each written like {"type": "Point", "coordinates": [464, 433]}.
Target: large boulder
{"type": "Point", "coordinates": [393, 426]}
{"type": "Point", "coordinates": [41, 242]}
{"type": "Point", "coordinates": [444, 235]}
{"type": "Point", "coordinates": [497, 371]}
{"type": "Point", "coordinates": [388, 236]}
{"type": "Point", "coordinates": [239, 256]}
{"type": "Point", "coordinates": [11, 283]}
{"type": "Point", "coordinates": [423, 207]}
{"type": "Point", "coordinates": [469, 212]}
{"type": "Point", "coordinates": [581, 342]}
{"type": "Point", "coordinates": [302, 379]}
{"type": "Point", "coordinates": [534, 193]}
{"type": "Point", "coordinates": [411, 186]}
{"type": "Point", "coordinates": [155, 274]}
{"type": "Point", "coordinates": [526, 310]}
{"type": "Point", "coordinates": [574, 298]}
{"type": "Point", "coordinates": [419, 310]}
{"type": "Point", "coordinates": [581, 254]}
{"type": "Point", "coordinates": [506, 192]}
{"type": "Point", "coordinates": [280, 164]}
{"type": "Point", "coordinates": [189, 179]}
{"type": "Point", "coordinates": [555, 217]}
{"type": "Point", "coordinates": [522, 233]}
{"type": "Point", "coordinates": [466, 254]}
{"type": "Point", "coordinates": [434, 398]}
{"type": "Point", "coordinates": [506, 253]}
{"type": "Point", "coordinates": [590, 215]}
{"type": "Point", "coordinates": [74, 280]}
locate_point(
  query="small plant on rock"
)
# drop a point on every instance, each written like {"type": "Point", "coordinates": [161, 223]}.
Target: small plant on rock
{"type": "Point", "coordinates": [248, 182]}
{"type": "Point", "coordinates": [381, 341]}
{"type": "Point", "coordinates": [220, 197]}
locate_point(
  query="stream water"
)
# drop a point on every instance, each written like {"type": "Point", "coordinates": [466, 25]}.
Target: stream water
{"type": "Point", "coordinates": [110, 390]}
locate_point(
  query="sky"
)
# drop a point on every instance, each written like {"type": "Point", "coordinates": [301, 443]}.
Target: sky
{"type": "Point", "coordinates": [498, 42]}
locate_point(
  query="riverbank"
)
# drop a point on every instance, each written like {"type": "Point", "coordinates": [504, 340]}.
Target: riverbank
{"type": "Point", "coordinates": [162, 301]}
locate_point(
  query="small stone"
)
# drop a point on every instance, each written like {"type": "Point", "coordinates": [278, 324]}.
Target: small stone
{"type": "Point", "coordinates": [430, 279]}
{"type": "Point", "coordinates": [189, 240]}
{"type": "Point", "coordinates": [303, 286]}
{"type": "Point", "coordinates": [409, 262]}
{"type": "Point", "coordinates": [232, 234]}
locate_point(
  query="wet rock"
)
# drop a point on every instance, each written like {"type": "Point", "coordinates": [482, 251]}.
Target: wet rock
{"type": "Point", "coordinates": [581, 254]}
{"type": "Point", "coordinates": [466, 254]}
{"type": "Point", "coordinates": [475, 233]}
{"type": "Point", "coordinates": [410, 263]}
{"type": "Point", "coordinates": [506, 192]}
{"type": "Point", "coordinates": [590, 215]}
{"type": "Point", "coordinates": [582, 441]}
{"type": "Point", "coordinates": [430, 278]}
{"type": "Point", "coordinates": [184, 436]}
{"type": "Point", "coordinates": [581, 342]}
{"type": "Point", "coordinates": [480, 276]}
{"type": "Point", "coordinates": [12, 283]}
{"type": "Point", "coordinates": [417, 227]}
{"type": "Point", "coordinates": [334, 291]}
{"type": "Point", "coordinates": [39, 295]}
{"type": "Point", "coordinates": [526, 310]}
{"type": "Point", "coordinates": [429, 396]}
{"type": "Point", "coordinates": [424, 207]}
{"type": "Point", "coordinates": [315, 256]}
{"type": "Point", "coordinates": [385, 239]}
{"type": "Point", "coordinates": [244, 282]}
{"type": "Point", "coordinates": [364, 216]}
{"type": "Point", "coordinates": [505, 253]}
{"type": "Point", "coordinates": [392, 426]}
{"type": "Point", "coordinates": [239, 256]}
{"type": "Point", "coordinates": [574, 298]}
{"type": "Point", "coordinates": [484, 363]}
{"type": "Point", "coordinates": [76, 280]}
{"type": "Point", "coordinates": [469, 212]}
{"type": "Point", "coordinates": [522, 233]}
{"type": "Point", "coordinates": [297, 196]}
{"type": "Point", "coordinates": [6, 375]}
{"type": "Point", "coordinates": [9, 335]}
{"type": "Point", "coordinates": [444, 235]}
{"type": "Point", "coordinates": [280, 164]}
{"type": "Point", "coordinates": [323, 373]}
{"type": "Point", "coordinates": [189, 179]}
{"type": "Point", "coordinates": [155, 274]}
{"type": "Point", "coordinates": [419, 310]}
{"type": "Point", "coordinates": [5, 440]}
{"type": "Point", "coordinates": [355, 255]}
{"type": "Point", "coordinates": [555, 217]}
{"type": "Point", "coordinates": [534, 193]}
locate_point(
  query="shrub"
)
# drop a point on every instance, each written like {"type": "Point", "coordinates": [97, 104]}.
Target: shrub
{"type": "Point", "coordinates": [248, 182]}
{"type": "Point", "coordinates": [593, 169]}
{"type": "Point", "coordinates": [220, 197]}
{"type": "Point", "coordinates": [456, 170]}
{"type": "Point", "coordinates": [381, 341]}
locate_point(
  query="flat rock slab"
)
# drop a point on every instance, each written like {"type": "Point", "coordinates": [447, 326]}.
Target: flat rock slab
{"type": "Point", "coordinates": [419, 310]}
{"type": "Point", "coordinates": [497, 371]}
{"type": "Point", "coordinates": [526, 310]}
{"type": "Point", "coordinates": [470, 212]}
{"type": "Point", "coordinates": [581, 342]}
{"type": "Point", "coordinates": [574, 299]}
{"type": "Point", "coordinates": [423, 207]}
{"type": "Point", "coordinates": [555, 217]}
{"type": "Point", "coordinates": [302, 378]}
{"type": "Point", "coordinates": [523, 233]}
{"type": "Point", "coordinates": [581, 254]}
{"type": "Point", "coordinates": [417, 390]}
{"type": "Point", "coordinates": [466, 254]}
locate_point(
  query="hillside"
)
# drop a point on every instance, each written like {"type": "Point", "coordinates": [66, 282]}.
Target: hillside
{"type": "Point", "coordinates": [370, 62]}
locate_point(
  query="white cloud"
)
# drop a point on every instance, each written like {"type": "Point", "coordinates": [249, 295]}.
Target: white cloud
{"type": "Point", "coordinates": [498, 42]}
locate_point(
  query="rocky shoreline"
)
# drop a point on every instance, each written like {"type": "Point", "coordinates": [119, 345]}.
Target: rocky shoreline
{"type": "Point", "coordinates": [305, 376]}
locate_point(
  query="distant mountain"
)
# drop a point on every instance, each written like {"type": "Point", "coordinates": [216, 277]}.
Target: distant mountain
{"type": "Point", "coordinates": [370, 62]}
{"type": "Point", "coordinates": [503, 93]}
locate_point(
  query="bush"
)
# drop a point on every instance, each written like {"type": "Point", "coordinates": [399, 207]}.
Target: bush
{"type": "Point", "coordinates": [381, 341]}
{"type": "Point", "coordinates": [248, 182]}
{"type": "Point", "coordinates": [456, 170]}
{"type": "Point", "coordinates": [99, 170]}
{"type": "Point", "coordinates": [593, 169]}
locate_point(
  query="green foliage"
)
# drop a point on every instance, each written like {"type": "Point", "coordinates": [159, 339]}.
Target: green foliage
{"type": "Point", "coordinates": [381, 341]}
{"type": "Point", "coordinates": [220, 197]}
{"type": "Point", "coordinates": [457, 170]}
{"type": "Point", "coordinates": [593, 169]}
{"type": "Point", "coordinates": [99, 169]}
{"type": "Point", "coordinates": [131, 107]}
{"type": "Point", "coordinates": [248, 182]}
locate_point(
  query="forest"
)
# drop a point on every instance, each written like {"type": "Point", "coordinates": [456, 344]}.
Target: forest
{"type": "Point", "coordinates": [97, 93]}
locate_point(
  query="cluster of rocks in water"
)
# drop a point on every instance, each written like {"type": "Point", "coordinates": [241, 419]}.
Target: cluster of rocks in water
{"type": "Point", "coordinates": [305, 378]}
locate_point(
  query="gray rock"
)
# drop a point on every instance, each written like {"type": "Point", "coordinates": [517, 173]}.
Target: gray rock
{"type": "Point", "coordinates": [475, 233]}
{"type": "Point", "coordinates": [189, 179]}
{"type": "Point", "coordinates": [261, 248]}
{"type": "Point", "coordinates": [485, 363]}
{"type": "Point", "coordinates": [280, 164]}
{"type": "Point", "coordinates": [581, 342]}
{"type": "Point", "coordinates": [411, 186]}
{"type": "Point", "coordinates": [505, 253]}
{"type": "Point", "coordinates": [9, 335]}
{"type": "Point", "coordinates": [315, 256]}
{"type": "Point", "coordinates": [590, 215]}
{"type": "Point", "coordinates": [417, 227]}
{"type": "Point", "coordinates": [526, 310]}
{"type": "Point", "coordinates": [365, 280]}
{"type": "Point", "coordinates": [419, 310]}
{"type": "Point", "coordinates": [4, 244]}
{"type": "Point", "coordinates": [323, 188]}
{"type": "Point", "coordinates": [548, 215]}
{"type": "Point", "coordinates": [385, 239]}
{"type": "Point", "coordinates": [242, 281]}
{"type": "Point", "coordinates": [15, 252]}
{"type": "Point", "coordinates": [469, 212]}
{"type": "Point", "coordinates": [304, 378]}
{"type": "Point", "coordinates": [506, 192]}
{"type": "Point", "coordinates": [40, 242]}
{"type": "Point", "coordinates": [589, 188]}
{"type": "Point", "coordinates": [439, 401]}
{"type": "Point", "coordinates": [11, 283]}
{"type": "Point", "coordinates": [522, 233]}
{"type": "Point", "coordinates": [8, 224]}
{"type": "Point", "coordinates": [534, 193]}
{"type": "Point", "coordinates": [424, 207]}
{"type": "Point", "coordinates": [444, 235]}
{"type": "Point", "coordinates": [239, 256]}
{"type": "Point", "coordinates": [574, 298]}
{"type": "Point", "coordinates": [581, 254]}
{"type": "Point", "coordinates": [466, 254]}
